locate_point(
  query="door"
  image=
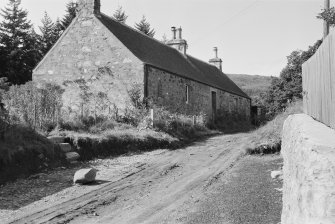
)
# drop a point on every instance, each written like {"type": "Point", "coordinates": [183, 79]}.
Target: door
{"type": "Point", "coordinates": [213, 105]}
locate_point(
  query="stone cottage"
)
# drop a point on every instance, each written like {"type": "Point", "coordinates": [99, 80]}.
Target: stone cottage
{"type": "Point", "coordinates": [99, 59]}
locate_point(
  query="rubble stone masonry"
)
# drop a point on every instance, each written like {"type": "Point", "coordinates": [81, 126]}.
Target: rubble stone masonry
{"type": "Point", "coordinates": [89, 59]}
{"type": "Point", "coordinates": [169, 90]}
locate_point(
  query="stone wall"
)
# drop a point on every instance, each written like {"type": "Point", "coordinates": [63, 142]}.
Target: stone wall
{"type": "Point", "coordinates": [89, 61]}
{"type": "Point", "coordinates": [169, 90]}
{"type": "Point", "coordinates": [308, 148]}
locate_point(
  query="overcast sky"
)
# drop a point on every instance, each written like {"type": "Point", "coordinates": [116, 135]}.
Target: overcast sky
{"type": "Point", "coordinates": [253, 36]}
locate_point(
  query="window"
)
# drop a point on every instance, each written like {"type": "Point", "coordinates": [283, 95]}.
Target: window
{"type": "Point", "coordinates": [187, 96]}
{"type": "Point", "coordinates": [160, 89]}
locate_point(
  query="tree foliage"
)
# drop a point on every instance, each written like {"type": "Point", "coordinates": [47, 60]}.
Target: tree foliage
{"type": "Point", "coordinates": [288, 87]}
{"type": "Point", "coordinates": [19, 49]}
{"type": "Point", "coordinates": [328, 15]}
{"type": "Point", "coordinates": [120, 15]}
{"type": "Point", "coordinates": [50, 32]}
{"type": "Point", "coordinates": [71, 12]}
{"type": "Point", "coordinates": [144, 27]}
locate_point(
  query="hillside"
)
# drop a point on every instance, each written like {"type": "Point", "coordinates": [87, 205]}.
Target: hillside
{"type": "Point", "coordinates": [252, 85]}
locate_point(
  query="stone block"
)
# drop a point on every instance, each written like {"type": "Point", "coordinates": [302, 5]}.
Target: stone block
{"type": "Point", "coordinates": [72, 156]}
{"type": "Point", "coordinates": [56, 139]}
{"type": "Point", "coordinates": [308, 149]}
{"type": "Point", "coordinates": [65, 147]}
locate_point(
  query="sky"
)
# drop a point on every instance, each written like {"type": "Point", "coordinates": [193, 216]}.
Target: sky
{"type": "Point", "coordinates": [253, 36]}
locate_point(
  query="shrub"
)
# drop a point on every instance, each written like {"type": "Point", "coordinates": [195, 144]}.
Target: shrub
{"type": "Point", "coordinates": [39, 108]}
{"type": "Point", "coordinates": [179, 125]}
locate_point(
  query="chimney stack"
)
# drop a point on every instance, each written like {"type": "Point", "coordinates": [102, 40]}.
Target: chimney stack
{"type": "Point", "coordinates": [216, 61]}
{"type": "Point", "coordinates": [180, 44]}
{"type": "Point", "coordinates": [89, 7]}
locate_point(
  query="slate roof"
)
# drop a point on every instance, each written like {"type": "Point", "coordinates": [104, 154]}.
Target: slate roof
{"type": "Point", "coordinates": [152, 52]}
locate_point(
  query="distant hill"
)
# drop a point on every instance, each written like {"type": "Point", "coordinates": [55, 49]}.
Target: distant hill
{"type": "Point", "coordinates": [252, 85]}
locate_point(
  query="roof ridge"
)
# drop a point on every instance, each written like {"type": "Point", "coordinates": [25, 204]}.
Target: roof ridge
{"type": "Point", "coordinates": [206, 63]}
{"type": "Point", "coordinates": [133, 29]}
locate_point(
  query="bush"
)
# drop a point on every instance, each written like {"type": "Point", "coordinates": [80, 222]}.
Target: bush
{"type": "Point", "coordinates": [38, 108]}
{"type": "Point", "coordinates": [179, 125]}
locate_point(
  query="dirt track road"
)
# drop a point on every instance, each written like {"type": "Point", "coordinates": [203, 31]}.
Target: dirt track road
{"type": "Point", "coordinates": [164, 189]}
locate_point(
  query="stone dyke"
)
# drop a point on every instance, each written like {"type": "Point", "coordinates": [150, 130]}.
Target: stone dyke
{"type": "Point", "coordinates": [169, 90]}
{"type": "Point", "coordinates": [308, 149]}
{"type": "Point", "coordinates": [90, 63]}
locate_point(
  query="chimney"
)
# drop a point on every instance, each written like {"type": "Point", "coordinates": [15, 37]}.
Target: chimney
{"type": "Point", "coordinates": [180, 30]}
{"type": "Point", "coordinates": [216, 52]}
{"type": "Point", "coordinates": [89, 7]}
{"type": "Point", "coordinates": [216, 61]}
{"type": "Point", "coordinates": [180, 44]}
{"type": "Point", "coordinates": [173, 29]}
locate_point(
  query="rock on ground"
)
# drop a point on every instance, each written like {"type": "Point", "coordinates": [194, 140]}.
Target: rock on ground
{"type": "Point", "coordinates": [85, 176]}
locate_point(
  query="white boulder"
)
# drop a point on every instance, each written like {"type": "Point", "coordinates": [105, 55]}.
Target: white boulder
{"type": "Point", "coordinates": [85, 176]}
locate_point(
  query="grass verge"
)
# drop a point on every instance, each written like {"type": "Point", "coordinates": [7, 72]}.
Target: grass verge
{"type": "Point", "coordinates": [267, 139]}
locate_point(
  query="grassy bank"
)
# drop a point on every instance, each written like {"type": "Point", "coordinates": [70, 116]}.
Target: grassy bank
{"type": "Point", "coordinates": [24, 151]}
{"type": "Point", "coordinates": [118, 142]}
{"type": "Point", "coordinates": [114, 142]}
{"type": "Point", "coordinates": [267, 139]}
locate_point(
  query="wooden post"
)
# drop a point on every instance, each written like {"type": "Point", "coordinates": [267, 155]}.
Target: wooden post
{"type": "Point", "coordinates": [325, 23]}
{"type": "Point", "coordinates": [194, 120]}
{"type": "Point", "coordinates": [152, 118]}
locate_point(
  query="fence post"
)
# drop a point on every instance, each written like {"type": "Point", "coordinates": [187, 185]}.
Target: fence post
{"type": "Point", "coordinates": [152, 118]}
{"type": "Point", "coordinates": [194, 120]}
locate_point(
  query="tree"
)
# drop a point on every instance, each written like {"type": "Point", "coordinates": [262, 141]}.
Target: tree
{"type": "Point", "coordinates": [164, 40]}
{"type": "Point", "coordinates": [144, 27]}
{"type": "Point", "coordinates": [50, 33]}
{"type": "Point", "coordinates": [120, 15]}
{"type": "Point", "coordinates": [18, 44]}
{"type": "Point", "coordinates": [288, 87]}
{"type": "Point", "coordinates": [71, 12]}
{"type": "Point", "coordinates": [328, 15]}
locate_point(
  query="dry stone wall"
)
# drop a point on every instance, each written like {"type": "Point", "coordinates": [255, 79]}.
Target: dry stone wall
{"type": "Point", "coordinates": [308, 148]}
{"type": "Point", "coordinates": [169, 90]}
{"type": "Point", "coordinates": [93, 67]}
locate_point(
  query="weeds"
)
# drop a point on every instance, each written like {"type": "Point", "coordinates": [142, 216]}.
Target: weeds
{"type": "Point", "coordinates": [38, 108]}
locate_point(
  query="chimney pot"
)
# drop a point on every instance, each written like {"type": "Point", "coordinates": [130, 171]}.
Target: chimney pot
{"type": "Point", "coordinates": [216, 52]}
{"type": "Point", "coordinates": [180, 30]}
{"type": "Point", "coordinates": [173, 29]}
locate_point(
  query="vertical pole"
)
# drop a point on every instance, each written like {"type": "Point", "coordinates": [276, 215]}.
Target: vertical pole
{"type": "Point", "coordinates": [325, 23]}
{"type": "Point", "coordinates": [152, 118]}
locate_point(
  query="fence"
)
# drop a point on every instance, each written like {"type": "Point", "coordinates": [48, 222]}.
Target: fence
{"type": "Point", "coordinates": [318, 75]}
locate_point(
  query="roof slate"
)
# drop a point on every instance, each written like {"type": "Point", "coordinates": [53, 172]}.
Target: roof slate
{"type": "Point", "coordinates": [152, 52]}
